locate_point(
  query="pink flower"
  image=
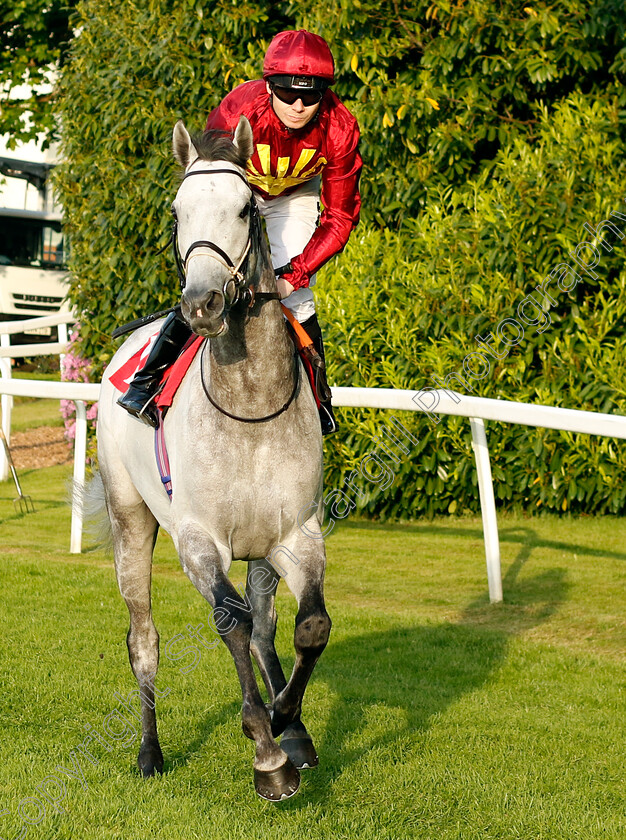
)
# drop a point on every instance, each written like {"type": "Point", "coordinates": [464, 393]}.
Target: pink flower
{"type": "Point", "coordinates": [74, 368]}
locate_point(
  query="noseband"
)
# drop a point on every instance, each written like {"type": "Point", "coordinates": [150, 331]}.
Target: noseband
{"type": "Point", "coordinates": [238, 270]}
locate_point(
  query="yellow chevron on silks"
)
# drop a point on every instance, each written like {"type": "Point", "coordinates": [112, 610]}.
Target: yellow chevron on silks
{"type": "Point", "coordinates": [283, 179]}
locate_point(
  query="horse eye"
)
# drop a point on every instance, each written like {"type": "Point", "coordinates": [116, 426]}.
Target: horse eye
{"type": "Point", "coordinates": [245, 211]}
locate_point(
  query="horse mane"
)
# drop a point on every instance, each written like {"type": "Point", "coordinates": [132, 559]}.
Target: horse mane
{"type": "Point", "coordinates": [215, 144]}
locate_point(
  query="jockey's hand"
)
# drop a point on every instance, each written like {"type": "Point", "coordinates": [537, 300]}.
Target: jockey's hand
{"type": "Point", "coordinates": [293, 276]}
{"type": "Point", "coordinates": [284, 287]}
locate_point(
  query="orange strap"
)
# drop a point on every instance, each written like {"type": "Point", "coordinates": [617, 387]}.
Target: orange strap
{"type": "Point", "coordinates": [303, 339]}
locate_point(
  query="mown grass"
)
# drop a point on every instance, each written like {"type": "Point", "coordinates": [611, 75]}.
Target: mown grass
{"type": "Point", "coordinates": [32, 412]}
{"type": "Point", "coordinates": [435, 714]}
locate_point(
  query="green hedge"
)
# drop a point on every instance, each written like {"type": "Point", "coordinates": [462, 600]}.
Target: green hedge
{"type": "Point", "coordinates": [440, 87]}
{"type": "Point", "coordinates": [400, 307]}
{"type": "Point", "coordinates": [491, 133]}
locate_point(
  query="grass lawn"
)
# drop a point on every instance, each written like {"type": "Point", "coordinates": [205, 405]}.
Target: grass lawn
{"type": "Point", "coordinates": [32, 412]}
{"type": "Point", "coordinates": [436, 715]}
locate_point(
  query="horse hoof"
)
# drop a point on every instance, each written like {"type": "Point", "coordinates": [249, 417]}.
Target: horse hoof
{"type": "Point", "coordinates": [301, 751]}
{"type": "Point", "coordinates": [150, 760]}
{"type": "Point", "coordinates": [279, 784]}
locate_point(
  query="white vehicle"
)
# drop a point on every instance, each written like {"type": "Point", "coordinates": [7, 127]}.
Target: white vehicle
{"type": "Point", "coordinates": [33, 277]}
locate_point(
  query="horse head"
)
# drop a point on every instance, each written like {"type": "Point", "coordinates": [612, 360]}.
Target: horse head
{"type": "Point", "coordinates": [217, 226]}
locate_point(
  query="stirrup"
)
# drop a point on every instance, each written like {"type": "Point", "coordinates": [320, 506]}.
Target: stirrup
{"type": "Point", "coordinates": [148, 412]}
{"type": "Point", "coordinates": [327, 419]}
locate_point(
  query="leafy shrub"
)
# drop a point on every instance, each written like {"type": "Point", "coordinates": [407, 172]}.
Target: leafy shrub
{"type": "Point", "coordinates": [490, 133]}
{"type": "Point", "coordinates": [401, 307]}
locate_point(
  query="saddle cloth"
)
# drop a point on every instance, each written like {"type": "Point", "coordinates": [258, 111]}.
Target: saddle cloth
{"type": "Point", "coordinates": [173, 376]}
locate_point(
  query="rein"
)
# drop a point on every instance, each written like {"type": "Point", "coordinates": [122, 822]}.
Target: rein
{"type": "Point", "coordinates": [250, 419]}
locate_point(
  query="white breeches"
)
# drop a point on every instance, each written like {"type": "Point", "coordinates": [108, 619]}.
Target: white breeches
{"type": "Point", "coordinates": [291, 221]}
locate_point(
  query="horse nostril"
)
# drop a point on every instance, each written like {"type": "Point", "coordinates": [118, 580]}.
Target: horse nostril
{"type": "Point", "coordinates": [214, 304]}
{"type": "Point", "coordinates": [200, 307]}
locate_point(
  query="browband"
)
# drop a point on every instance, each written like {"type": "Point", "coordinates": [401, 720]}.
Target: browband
{"type": "Point", "coordinates": [217, 172]}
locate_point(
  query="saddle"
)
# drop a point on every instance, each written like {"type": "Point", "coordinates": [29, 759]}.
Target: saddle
{"type": "Point", "coordinates": [173, 376]}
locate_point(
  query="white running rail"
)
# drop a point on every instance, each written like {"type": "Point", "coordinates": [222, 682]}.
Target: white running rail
{"type": "Point", "coordinates": [479, 409]}
{"type": "Point", "coordinates": [79, 392]}
{"type": "Point", "coordinates": [9, 352]}
{"type": "Point", "coordinates": [476, 409]}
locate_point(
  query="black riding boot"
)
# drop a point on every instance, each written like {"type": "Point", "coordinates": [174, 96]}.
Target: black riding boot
{"type": "Point", "coordinates": [327, 418]}
{"type": "Point", "coordinates": [138, 400]}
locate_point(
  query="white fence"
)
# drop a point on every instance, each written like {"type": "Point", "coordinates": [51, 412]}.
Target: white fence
{"type": "Point", "coordinates": [9, 352]}
{"type": "Point", "coordinates": [477, 409]}
{"type": "Point", "coordinates": [79, 392]}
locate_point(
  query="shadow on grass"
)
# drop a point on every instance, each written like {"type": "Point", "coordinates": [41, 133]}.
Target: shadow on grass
{"type": "Point", "coordinates": [421, 670]}
{"type": "Point", "coordinates": [180, 755]}
{"type": "Point", "coordinates": [418, 670]}
{"type": "Point", "coordinates": [10, 511]}
{"type": "Point", "coordinates": [528, 537]}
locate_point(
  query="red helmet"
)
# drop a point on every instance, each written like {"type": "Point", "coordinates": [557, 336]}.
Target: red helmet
{"type": "Point", "coordinates": [299, 53]}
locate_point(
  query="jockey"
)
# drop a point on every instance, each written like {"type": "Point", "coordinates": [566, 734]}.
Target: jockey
{"type": "Point", "coordinates": [304, 139]}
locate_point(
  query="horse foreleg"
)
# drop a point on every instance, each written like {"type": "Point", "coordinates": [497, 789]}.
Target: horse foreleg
{"type": "Point", "coordinates": [275, 776]}
{"type": "Point", "coordinates": [134, 533]}
{"type": "Point", "coordinates": [306, 580]}
{"type": "Point", "coordinates": [261, 585]}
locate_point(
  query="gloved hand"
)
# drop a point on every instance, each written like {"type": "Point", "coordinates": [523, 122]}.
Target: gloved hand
{"type": "Point", "coordinates": [295, 275]}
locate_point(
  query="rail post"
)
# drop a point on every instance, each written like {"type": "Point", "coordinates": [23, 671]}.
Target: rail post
{"type": "Point", "coordinates": [488, 509]}
{"type": "Point", "coordinates": [78, 485]}
{"type": "Point", "coordinates": [6, 403]}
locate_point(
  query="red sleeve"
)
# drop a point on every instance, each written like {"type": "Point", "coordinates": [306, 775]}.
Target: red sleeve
{"type": "Point", "coordinates": [220, 118]}
{"type": "Point", "coordinates": [342, 204]}
{"type": "Point", "coordinates": [239, 101]}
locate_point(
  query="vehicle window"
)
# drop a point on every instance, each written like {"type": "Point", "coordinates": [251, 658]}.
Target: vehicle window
{"type": "Point", "coordinates": [28, 242]}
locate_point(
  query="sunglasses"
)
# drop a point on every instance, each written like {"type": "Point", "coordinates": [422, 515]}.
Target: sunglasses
{"type": "Point", "coordinates": [289, 95]}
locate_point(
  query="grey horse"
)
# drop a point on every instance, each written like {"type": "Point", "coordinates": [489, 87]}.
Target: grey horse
{"type": "Point", "coordinates": [245, 450]}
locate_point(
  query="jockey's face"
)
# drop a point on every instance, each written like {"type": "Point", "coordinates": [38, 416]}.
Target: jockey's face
{"type": "Point", "coordinates": [294, 116]}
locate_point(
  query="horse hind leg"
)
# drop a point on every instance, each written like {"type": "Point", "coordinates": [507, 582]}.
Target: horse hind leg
{"type": "Point", "coordinates": [261, 585]}
{"type": "Point", "coordinates": [134, 534]}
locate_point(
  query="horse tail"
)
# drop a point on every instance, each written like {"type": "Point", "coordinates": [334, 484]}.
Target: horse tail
{"type": "Point", "coordinates": [95, 515]}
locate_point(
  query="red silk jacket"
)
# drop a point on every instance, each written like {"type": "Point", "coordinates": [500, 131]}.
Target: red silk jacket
{"type": "Point", "coordinates": [284, 159]}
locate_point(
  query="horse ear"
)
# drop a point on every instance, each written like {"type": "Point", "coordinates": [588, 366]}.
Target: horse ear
{"type": "Point", "coordinates": [243, 138]}
{"type": "Point", "coordinates": [184, 150]}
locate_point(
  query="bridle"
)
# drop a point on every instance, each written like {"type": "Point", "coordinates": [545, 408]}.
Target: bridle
{"type": "Point", "coordinates": [235, 290]}
{"type": "Point", "coordinates": [242, 292]}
